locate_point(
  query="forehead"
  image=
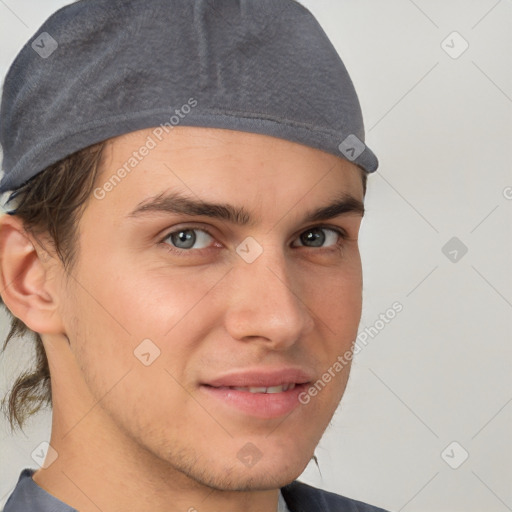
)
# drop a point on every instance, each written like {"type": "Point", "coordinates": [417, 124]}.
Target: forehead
{"type": "Point", "coordinates": [216, 164]}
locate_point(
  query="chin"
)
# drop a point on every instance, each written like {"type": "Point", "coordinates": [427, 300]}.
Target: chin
{"type": "Point", "coordinates": [263, 475]}
{"type": "Point", "coordinates": [254, 480]}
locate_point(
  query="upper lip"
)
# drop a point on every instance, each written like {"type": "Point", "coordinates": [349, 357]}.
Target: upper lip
{"type": "Point", "coordinates": [261, 378]}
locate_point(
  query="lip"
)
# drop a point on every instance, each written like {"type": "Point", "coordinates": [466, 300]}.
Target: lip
{"type": "Point", "coordinates": [258, 405]}
{"type": "Point", "coordinates": [261, 378]}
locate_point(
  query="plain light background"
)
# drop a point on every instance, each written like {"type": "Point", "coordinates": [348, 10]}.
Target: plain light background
{"type": "Point", "coordinates": [440, 120]}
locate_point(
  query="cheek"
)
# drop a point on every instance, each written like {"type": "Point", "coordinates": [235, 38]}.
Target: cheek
{"type": "Point", "coordinates": [134, 346]}
{"type": "Point", "coordinates": [335, 296]}
{"type": "Point", "coordinates": [120, 314]}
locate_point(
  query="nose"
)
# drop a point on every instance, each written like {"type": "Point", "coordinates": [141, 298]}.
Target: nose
{"type": "Point", "coordinates": [265, 304]}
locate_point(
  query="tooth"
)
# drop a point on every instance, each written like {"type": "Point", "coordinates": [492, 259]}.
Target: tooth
{"type": "Point", "coordinates": [275, 389]}
{"type": "Point", "coordinates": [258, 390]}
{"type": "Point", "coordinates": [271, 389]}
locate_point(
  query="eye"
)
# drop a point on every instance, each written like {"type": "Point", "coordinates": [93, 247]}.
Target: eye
{"type": "Point", "coordinates": [321, 237]}
{"type": "Point", "coordinates": [190, 239]}
{"type": "Point", "coordinates": [185, 239]}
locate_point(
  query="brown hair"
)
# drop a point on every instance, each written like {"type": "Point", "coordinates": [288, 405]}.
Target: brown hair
{"type": "Point", "coordinates": [51, 203]}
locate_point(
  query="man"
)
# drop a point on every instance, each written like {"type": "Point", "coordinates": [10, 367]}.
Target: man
{"type": "Point", "coordinates": [188, 183]}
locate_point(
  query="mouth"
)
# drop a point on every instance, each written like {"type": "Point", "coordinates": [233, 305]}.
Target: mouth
{"type": "Point", "coordinates": [259, 394]}
{"type": "Point", "coordinates": [258, 389]}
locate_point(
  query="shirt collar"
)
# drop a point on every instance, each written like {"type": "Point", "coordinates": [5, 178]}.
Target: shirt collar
{"type": "Point", "coordinates": [28, 495]}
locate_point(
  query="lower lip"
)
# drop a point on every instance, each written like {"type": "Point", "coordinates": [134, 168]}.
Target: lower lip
{"type": "Point", "coordinates": [260, 405]}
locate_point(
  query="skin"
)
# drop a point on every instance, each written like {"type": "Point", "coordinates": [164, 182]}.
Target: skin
{"type": "Point", "coordinates": [135, 437]}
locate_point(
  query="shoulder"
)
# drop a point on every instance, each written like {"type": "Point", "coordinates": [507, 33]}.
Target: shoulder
{"type": "Point", "coordinates": [301, 497]}
{"type": "Point", "coordinates": [28, 496]}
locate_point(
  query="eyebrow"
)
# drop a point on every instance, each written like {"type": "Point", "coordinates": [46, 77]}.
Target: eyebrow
{"type": "Point", "coordinates": [177, 203]}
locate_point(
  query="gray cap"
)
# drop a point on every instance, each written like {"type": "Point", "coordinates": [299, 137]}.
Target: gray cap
{"type": "Point", "coordinates": [101, 68]}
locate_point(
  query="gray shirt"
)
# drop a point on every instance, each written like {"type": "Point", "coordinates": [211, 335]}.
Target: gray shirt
{"type": "Point", "coordinates": [295, 497]}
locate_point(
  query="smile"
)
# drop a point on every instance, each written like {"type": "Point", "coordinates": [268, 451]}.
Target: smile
{"type": "Point", "coordinates": [264, 393]}
{"type": "Point", "coordinates": [270, 389]}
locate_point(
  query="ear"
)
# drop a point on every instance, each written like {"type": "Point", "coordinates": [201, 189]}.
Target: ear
{"type": "Point", "coordinates": [25, 285]}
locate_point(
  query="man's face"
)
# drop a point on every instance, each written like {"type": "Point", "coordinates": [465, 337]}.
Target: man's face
{"type": "Point", "coordinates": [221, 316]}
